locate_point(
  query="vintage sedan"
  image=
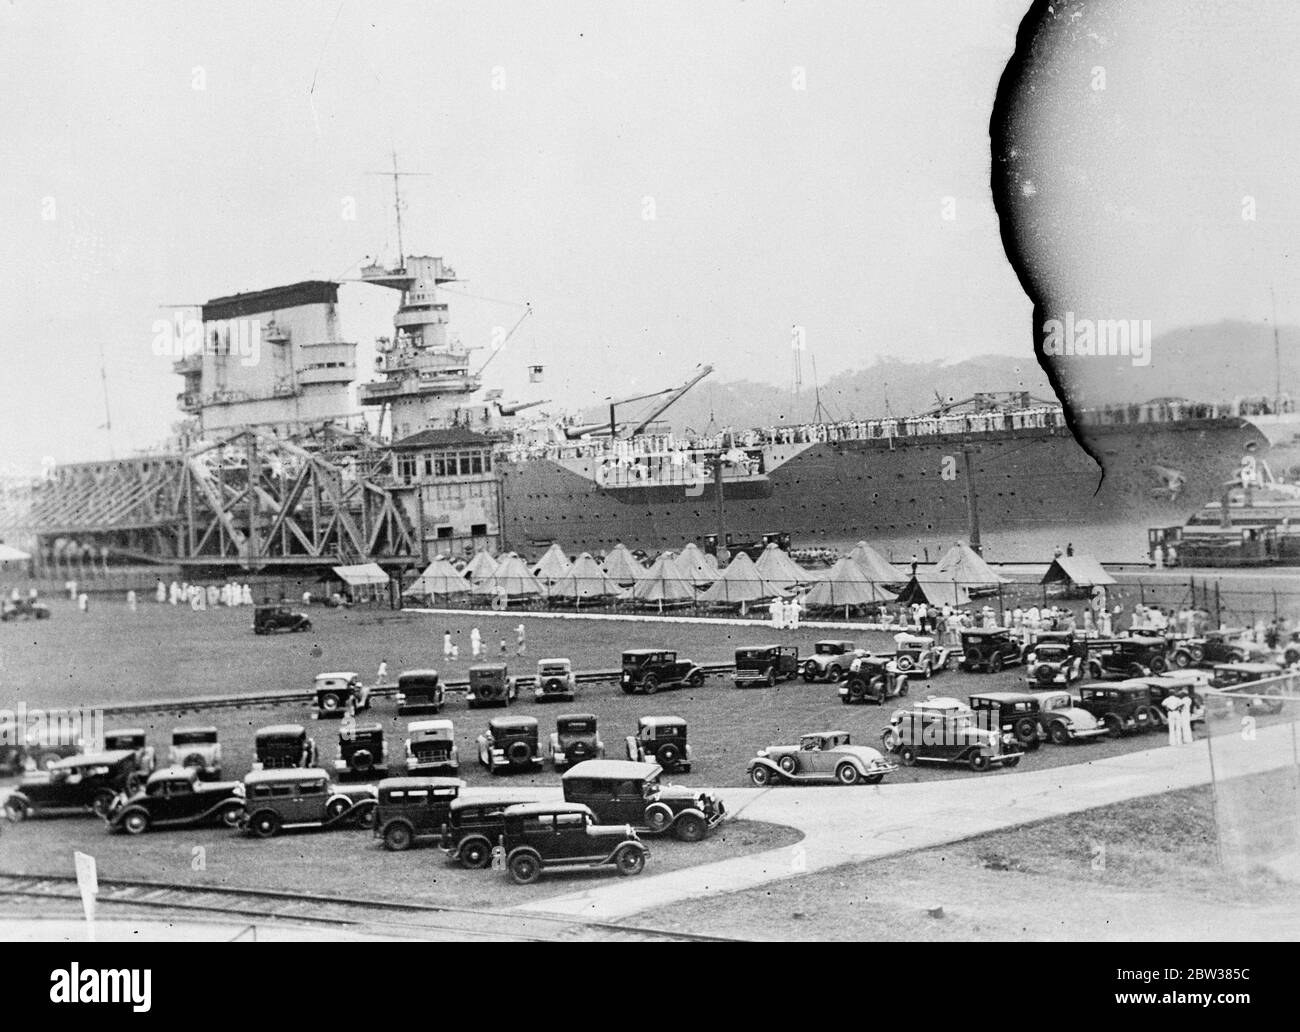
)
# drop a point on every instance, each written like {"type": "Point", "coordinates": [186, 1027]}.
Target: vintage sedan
{"type": "Point", "coordinates": [765, 665]}
{"type": "Point", "coordinates": [820, 756]}
{"type": "Point", "coordinates": [335, 689]}
{"type": "Point", "coordinates": [540, 836]}
{"type": "Point", "coordinates": [196, 747]}
{"type": "Point", "coordinates": [576, 738]}
{"type": "Point", "coordinates": [1056, 658]}
{"type": "Point", "coordinates": [625, 792]}
{"type": "Point", "coordinates": [303, 798]}
{"type": "Point", "coordinates": [648, 670]}
{"type": "Point", "coordinates": [419, 691]}
{"type": "Point", "coordinates": [918, 654]}
{"type": "Point", "coordinates": [174, 797]}
{"type": "Point", "coordinates": [830, 661]}
{"type": "Point", "coordinates": [1064, 721]}
{"type": "Point", "coordinates": [87, 783]}
{"type": "Point", "coordinates": [411, 809]}
{"type": "Point", "coordinates": [555, 680]}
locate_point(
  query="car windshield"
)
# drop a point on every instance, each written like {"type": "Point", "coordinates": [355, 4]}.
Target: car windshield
{"type": "Point", "coordinates": [1051, 650]}
{"type": "Point", "coordinates": [195, 738]}
{"type": "Point", "coordinates": [828, 648]}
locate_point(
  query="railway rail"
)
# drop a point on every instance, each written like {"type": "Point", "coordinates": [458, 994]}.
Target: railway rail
{"type": "Point", "coordinates": [416, 920]}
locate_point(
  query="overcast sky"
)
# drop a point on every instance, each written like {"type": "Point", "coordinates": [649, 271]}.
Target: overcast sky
{"type": "Point", "coordinates": [156, 154]}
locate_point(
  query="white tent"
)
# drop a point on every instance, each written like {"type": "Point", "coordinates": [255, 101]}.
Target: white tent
{"type": "Point", "coordinates": [966, 567]}
{"type": "Point", "coordinates": [622, 566]}
{"type": "Point", "coordinates": [693, 564]}
{"type": "Point", "coordinates": [663, 583]}
{"type": "Point", "coordinates": [482, 565]}
{"type": "Point", "coordinates": [553, 565]}
{"type": "Point", "coordinates": [845, 584]}
{"type": "Point", "coordinates": [585, 579]}
{"type": "Point", "coordinates": [740, 582]}
{"type": "Point", "coordinates": [875, 566]}
{"type": "Point", "coordinates": [362, 575]}
{"type": "Point", "coordinates": [438, 578]}
{"type": "Point", "coordinates": [1077, 571]}
{"type": "Point", "coordinates": [935, 589]}
{"type": "Point", "coordinates": [778, 568]}
{"type": "Point", "coordinates": [511, 579]}
{"type": "Point", "coordinates": [9, 554]}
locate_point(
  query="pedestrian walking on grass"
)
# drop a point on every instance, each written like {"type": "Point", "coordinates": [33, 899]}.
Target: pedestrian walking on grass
{"type": "Point", "coordinates": [505, 651]}
{"type": "Point", "coordinates": [476, 643]}
{"type": "Point", "coordinates": [521, 641]}
{"type": "Point", "coordinates": [381, 675]}
{"type": "Point", "coordinates": [446, 644]}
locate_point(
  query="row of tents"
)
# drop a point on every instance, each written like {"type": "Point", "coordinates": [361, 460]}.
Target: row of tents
{"type": "Point", "coordinates": [861, 578]}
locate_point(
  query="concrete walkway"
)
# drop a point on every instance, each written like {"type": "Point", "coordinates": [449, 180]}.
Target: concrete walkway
{"type": "Point", "coordinates": [848, 825]}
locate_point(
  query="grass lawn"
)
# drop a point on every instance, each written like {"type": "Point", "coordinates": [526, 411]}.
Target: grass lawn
{"type": "Point", "coordinates": [1144, 869]}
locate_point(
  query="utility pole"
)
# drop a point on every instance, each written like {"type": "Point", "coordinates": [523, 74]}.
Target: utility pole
{"type": "Point", "coordinates": [108, 416]}
{"type": "Point", "coordinates": [972, 506]}
{"type": "Point", "coordinates": [722, 512]}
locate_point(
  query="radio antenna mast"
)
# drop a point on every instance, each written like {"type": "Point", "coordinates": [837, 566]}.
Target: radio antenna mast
{"type": "Point", "coordinates": [108, 416]}
{"type": "Point", "coordinates": [397, 203]}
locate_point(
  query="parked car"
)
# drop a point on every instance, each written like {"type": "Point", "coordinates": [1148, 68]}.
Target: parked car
{"type": "Point", "coordinates": [174, 797]}
{"type": "Point", "coordinates": [541, 836]}
{"type": "Point", "coordinates": [335, 690]}
{"type": "Point", "coordinates": [473, 828]}
{"type": "Point", "coordinates": [281, 746]}
{"type": "Point", "coordinates": [411, 809]}
{"type": "Point", "coordinates": [87, 783]}
{"type": "Point", "coordinates": [420, 691]}
{"type": "Point", "coordinates": [918, 654]}
{"type": "Point", "coordinates": [1161, 686]}
{"type": "Point", "coordinates": [873, 679]}
{"type": "Point", "coordinates": [1126, 658]}
{"type": "Point", "coordinates": [820, 756]}
{"type": "Point", "coordinates": [765, 665]}
{"type": "Point", "coordinates": [625, 792]}
{"type": "Point", "coordinates": [196, 747]}
{"type": "Point", "coordinates": [1226, 645]}
{"type": "Point", "coordinates": [575, 739]}
{"type": "Point", "coordinates": [274, 619]}
{"type": "Point", "coordinates": [1013, 712]}
{"type": "Point", "coordinates": [945, 731]}
{"type": "Point", "coordinates": [829, 661]}
{"type": "Point", "coordinates": [1063, 720]}
{"type": "Point", "coordinates": [651, 669]}
{"type": "Point", "coordinates": [278, 800]}
{"type": "Point", "coordinates": [510, 743]}
{"type": "Point", "coordinates": [362, 751]}
{"type": "Point", "coordinates": [40, 746]}
{"type": "Point", "coordinates": [1290, 650]}
{"type": "Point", "coordinates": [24, 609]}
{"type": "Point", "coordinates": [989, 649]}
{"type": "Point", "coordinates": [490, 684]}
{"type": "Point", "coordinates": [1056, 658]}
{"type": "Point", "coordinates": [1122, 707]}
{"type": "Point", "coordinates": [661, 740]}
{"type": "Point", "coordinates": [555, 680]}
{"type": "Point", "coordinates": [430, 746]}
{"type": "Point", "coordinates": [134, 739]}
{"type": "Point", "coordinates": [1238, 677]}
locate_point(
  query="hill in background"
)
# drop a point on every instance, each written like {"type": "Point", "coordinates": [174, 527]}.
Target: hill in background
{"type": "Point", "coordinates": [1219, 362]}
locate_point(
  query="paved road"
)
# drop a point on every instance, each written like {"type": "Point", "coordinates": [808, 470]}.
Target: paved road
{"type": "Point", "coordinates": [845, 825]}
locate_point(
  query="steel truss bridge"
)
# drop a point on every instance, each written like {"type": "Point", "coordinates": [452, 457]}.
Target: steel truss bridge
{"type": "Point", "coordinates": [250, 501]}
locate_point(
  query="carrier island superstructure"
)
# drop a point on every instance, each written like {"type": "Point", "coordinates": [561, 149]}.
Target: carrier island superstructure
{"type": "Point", "coordinates": [296, 460]}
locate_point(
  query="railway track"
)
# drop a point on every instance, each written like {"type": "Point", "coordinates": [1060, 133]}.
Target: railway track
{"type": "Point", "coordinates": [416, 920]}
{"type": "Point", "coordinates": [307, 696]}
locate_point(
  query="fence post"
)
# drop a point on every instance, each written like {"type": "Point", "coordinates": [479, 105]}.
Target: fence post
{"type": "Point", "coordinates": [1002, 608]}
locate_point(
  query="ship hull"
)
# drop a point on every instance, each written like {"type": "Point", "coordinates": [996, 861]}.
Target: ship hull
{"type": "Point", "coordinates": [1037, 489]}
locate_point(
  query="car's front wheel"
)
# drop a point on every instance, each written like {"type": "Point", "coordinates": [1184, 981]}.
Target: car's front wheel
{"type": "Point", "coordinates": [689, 828]}
{"type": "Point", "coordinates": [696, 680]}
{"type": "Point", "coordinates": [1060, 734]}
{"type": "Point", "coordinates": [525, 868]}
{"type": "Point", "coordinates": [760, 775]}
{"type": "Point", "coordinates": [978, 762]}
{"type": "Point", "coordinates": [1114, 726]}
{"type": "Point", "coordinates": [650, 684]}
{"type": "Point", "coordinates": [264, 825]}
{"type": "Point", "coordinates": [995, 663]}
{"type": "Point", "coordinates": [630, 861]}
{"type": "Point", "coordinates": [329, 702]}
{"type": "Point", "coordinates": [847, 774]}
{"type": "Point", "coordinates": [16, 810]}
{"type": "Point", "coordinates": [136, 822]}
{"type": "Point", "coordinates": [102, 802]}
{"type": "Point", "coordinates": [834, 673]}
{"type": "Point", "coordinates": [907, 756]}
{"type": "Point", "coordinates": [809, 672]}
{"type": "Point", "coordinates": [232, 815]}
